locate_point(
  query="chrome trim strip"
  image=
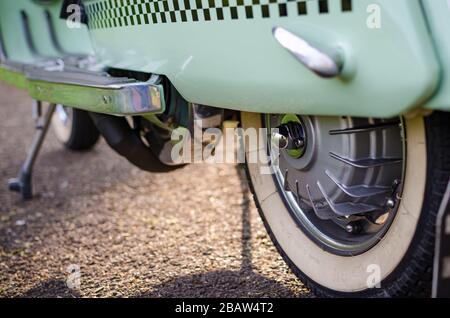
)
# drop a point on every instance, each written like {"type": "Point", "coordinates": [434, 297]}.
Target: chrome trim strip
{"type": "Point", "coordinates": [88, 90]}
{"type": "Point", "coordinates": [59, 73]}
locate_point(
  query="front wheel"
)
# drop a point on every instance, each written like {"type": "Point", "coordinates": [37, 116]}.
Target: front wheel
{"type": "Point", "coordinates": [352, 206]}
{"type": "Point", "coordinates": [74, 128]}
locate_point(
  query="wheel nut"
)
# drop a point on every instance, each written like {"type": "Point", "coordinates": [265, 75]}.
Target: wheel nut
{"type": "Point", "coordinates": [353, 228]}
{"type": "Point", "coordinates": [279, 140]}
{"type": "Point", "coordinates": [349, 228]}
{"type": "Point", "coordinates": [390, 203]}
{"type": "Point", "coordinates": [299, 143]}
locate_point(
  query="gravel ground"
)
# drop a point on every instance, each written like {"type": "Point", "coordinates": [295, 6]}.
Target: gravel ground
{"type": "Point", "coordinates": [193, 232]}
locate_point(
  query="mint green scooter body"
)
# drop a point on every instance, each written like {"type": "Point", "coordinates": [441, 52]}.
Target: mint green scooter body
{"type": "Point", "coordinates": [72, 40]}
{"type": "Point", "coordinates": [225, 55]}
{"type": "Point", "coordinates": [438, 17]}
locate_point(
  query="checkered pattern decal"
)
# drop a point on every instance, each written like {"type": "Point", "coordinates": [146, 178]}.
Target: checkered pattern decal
{"type": "Point", "coordinates": [104, 14]}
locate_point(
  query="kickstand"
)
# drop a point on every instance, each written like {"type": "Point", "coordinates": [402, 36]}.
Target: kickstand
{"type": "Point", "coordinates": [23, 183]}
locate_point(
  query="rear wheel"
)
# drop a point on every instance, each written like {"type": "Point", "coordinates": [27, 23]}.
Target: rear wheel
{"type": "Point", "coordinates": [352, 208]}
{"type": "Point", "coordinates": [74, 128]}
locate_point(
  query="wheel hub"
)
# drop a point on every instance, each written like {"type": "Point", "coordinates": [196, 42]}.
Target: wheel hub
{"type": "Point", "coordinates": [291, 136]}
{"type": "Point", "coordinates": [340, 175]}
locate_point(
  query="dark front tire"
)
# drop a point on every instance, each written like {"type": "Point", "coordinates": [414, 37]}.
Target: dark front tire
{"type": "Point", "coordinates": [74, 128]}
{"type": "Point", "coordinates": [403, 256]}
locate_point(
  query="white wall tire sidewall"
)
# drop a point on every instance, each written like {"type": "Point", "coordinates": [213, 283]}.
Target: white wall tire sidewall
{"type": "Point", "coordinates": [347, 274]}
{"type": "Point", "coordinates": [63, 131]}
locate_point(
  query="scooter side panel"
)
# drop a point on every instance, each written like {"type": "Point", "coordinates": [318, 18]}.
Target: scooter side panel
{"type": "Point", "coordinates": [438, 17]}
{"type": "Point", "coordinates": [72, 40]}
{"type": "Point", "coordinates": [231, 59]}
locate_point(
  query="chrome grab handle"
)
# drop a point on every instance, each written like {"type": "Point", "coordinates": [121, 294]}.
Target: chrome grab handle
{"type": "Point", "coordinates": [314, 59]}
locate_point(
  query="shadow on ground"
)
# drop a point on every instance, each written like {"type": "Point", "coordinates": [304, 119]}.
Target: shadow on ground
{"type": "Point", "coordinates": [226, 283]}
{"type": "Point", "coordinates": [219, 283]}
{"type": "Point", "coordinates": [50, 289]}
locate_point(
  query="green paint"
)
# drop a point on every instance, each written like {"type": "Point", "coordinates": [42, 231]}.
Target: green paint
{"type": "Point", "coordinates": [13, 78]}
{"type": "Point", "coordinates": [294, 153]}
{"type": "Point", "coordinates": [237, 64]}
{"type": "Point", "coordinates": [438, 14]}
{"type": "Point", "coordinates": [74, 40]}
{"type": "Point", "coordinates": [73, 96]}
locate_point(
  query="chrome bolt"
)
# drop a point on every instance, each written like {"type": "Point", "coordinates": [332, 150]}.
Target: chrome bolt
{"type": "Point", "coordinates": [299, 143]}
{"type": "Point", "coordinates": [291, 137]}
{"type": "Point", "coordinates": [353, 228]}
{"type": "Point", "coordinates": [349, 228]}
{"type": "Point", "coordinates": [390, 203]}
{"type": "Point", "coordinates": [279, 140]}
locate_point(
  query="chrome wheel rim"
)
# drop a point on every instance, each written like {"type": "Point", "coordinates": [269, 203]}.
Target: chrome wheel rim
{"type": "Point", "coordinates": [63, 122]}
{"type": "Point", "coordinates": [345, 189]}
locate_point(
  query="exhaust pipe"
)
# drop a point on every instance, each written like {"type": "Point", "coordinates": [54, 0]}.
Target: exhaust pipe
{"type": "Point", "coordinates": [127, 143]}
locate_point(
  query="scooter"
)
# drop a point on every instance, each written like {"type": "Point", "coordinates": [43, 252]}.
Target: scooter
{"type": "Point", "coordinates": [347, 101]}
